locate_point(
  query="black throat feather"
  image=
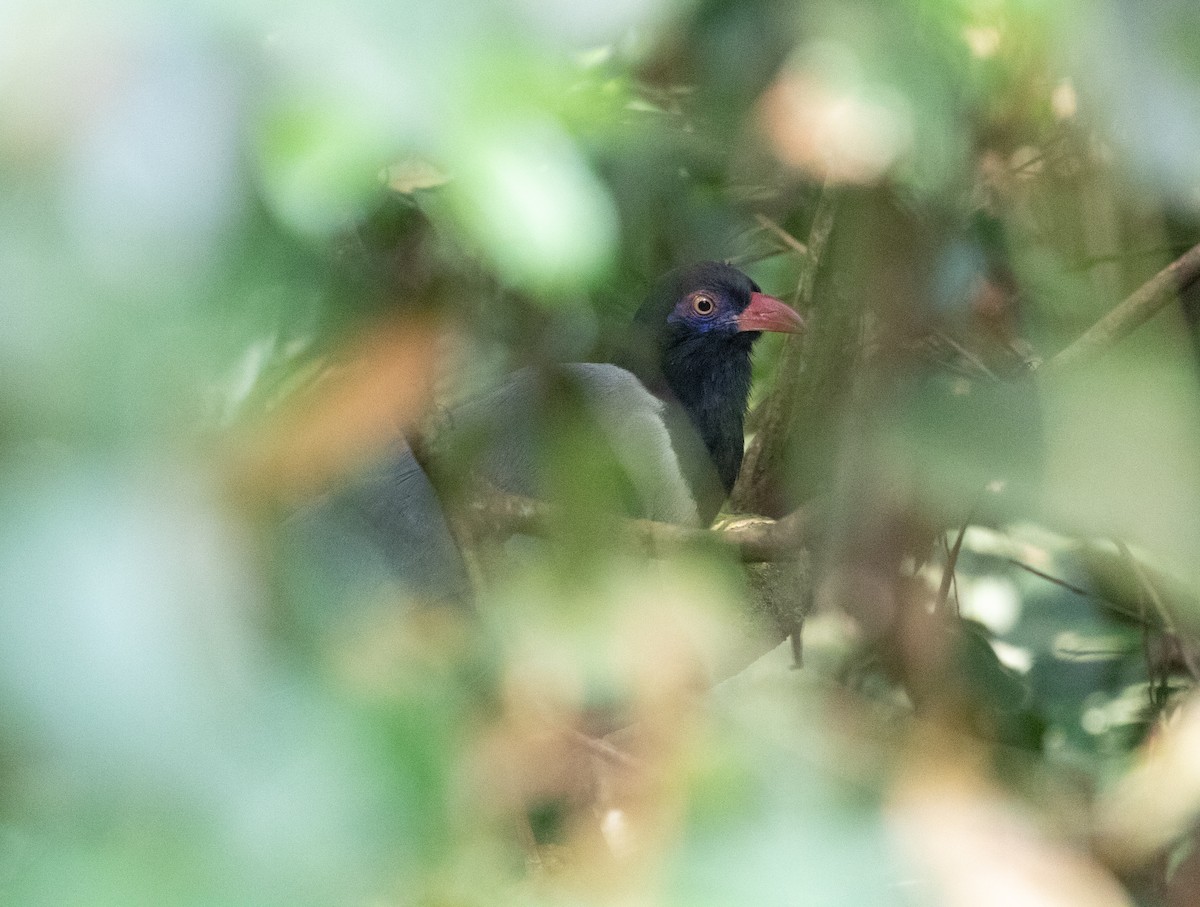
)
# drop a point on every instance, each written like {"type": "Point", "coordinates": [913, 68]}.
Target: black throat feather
{"type": "Point", "coordinates": [709, 375]}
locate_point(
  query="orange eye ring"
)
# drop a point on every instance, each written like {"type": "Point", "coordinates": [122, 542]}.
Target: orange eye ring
{"type": "Point", "coordinates": [703, 305]}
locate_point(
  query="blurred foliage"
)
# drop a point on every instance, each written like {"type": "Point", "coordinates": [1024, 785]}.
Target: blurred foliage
{"type": "Point", "coordinates": [242, 245]}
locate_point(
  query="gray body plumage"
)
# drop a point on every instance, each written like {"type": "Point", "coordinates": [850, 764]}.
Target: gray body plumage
{"type": "Point", "coordinates": [385, 533]}
{"type": "Point", "coordinates": [630, 417]}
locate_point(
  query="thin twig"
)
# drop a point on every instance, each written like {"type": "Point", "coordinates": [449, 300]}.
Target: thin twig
{"type": "Point", "coordinates": [968, 356]}
{"type": "Point", "coordinates": [1050, 578]}
{"type": "Point", "coordinates": [603, 749]}
{"type": "Point", "coordinates": [951, 563]}
{"type": "Point", "coordinates": [784, 235]}
{"type": "Point", "coordinates": [749, 258]}
{"type": "Point", "coordinates": [1137, 308]}
{"type": "Point", "coordinates": [1108, 604]}
{"type": "Point", "coordinates": [1029, 164]}
{"type": "Point", "coordinates": [1164, 613]}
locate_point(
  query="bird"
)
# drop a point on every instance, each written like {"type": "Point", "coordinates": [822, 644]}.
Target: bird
{"type": "Point", "coordinates": [670, 407]}
{"type": "Point", "coordinates": [691, 349]}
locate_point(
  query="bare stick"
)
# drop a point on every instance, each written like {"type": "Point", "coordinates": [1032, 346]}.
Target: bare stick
{"type": "Point", "coordinates": [951, 565]}
{"type": "Point", "coordinates": [1105, 603]}
{"type": "Point", "coordinates": [1138, 308]}
{"type": "Point", "coordinates": [496, 513]}
{"type": "Point", "coordinates": [1164, 613]}
{"type": "Point", "coordinates": [794, 244]}
{"type": "Point", "coordinates": [749, 258]}
{"type": "Point", "coordinates": [602, 748]}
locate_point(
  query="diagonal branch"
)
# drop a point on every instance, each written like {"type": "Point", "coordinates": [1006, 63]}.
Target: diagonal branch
{"type": "Point", "coordinates": [778, 410]}
{"type": "Point", "coordinates": [783, 235]}
{"type": "Point", "coordinates": [1164, 614]}
{"type": "Point", "coordinates": [1139, 307]}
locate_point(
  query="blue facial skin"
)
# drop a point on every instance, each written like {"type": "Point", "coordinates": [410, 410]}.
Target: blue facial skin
{"type": "Point", "coordinates": [722, 319]}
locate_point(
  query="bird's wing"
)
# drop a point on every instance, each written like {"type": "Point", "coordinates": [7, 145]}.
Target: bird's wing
{"type": "Point", "coordinates": [628, 417]}
{"type": "Point", "coordinates": [383, 536]}
{"type": "Point", "coordinates": [385, 533]}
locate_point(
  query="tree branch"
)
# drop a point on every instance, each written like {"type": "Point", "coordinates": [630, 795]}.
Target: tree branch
{"type": "Point", "coordinates": [778, 410]}
{"type": "Point", "coordinates": [1164, 613]}
{"type": "Point", "coordinates": [494, 513]}
{"type": "Point", "coordinates": [1138, 308]}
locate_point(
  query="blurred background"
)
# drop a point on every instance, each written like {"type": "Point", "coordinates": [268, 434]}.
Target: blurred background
{"type": "Point", "coordinates": [243, 248]}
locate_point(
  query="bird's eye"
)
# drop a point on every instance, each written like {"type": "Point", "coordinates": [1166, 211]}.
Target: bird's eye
{"type": "Point", "coordinates": [703, 305]}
